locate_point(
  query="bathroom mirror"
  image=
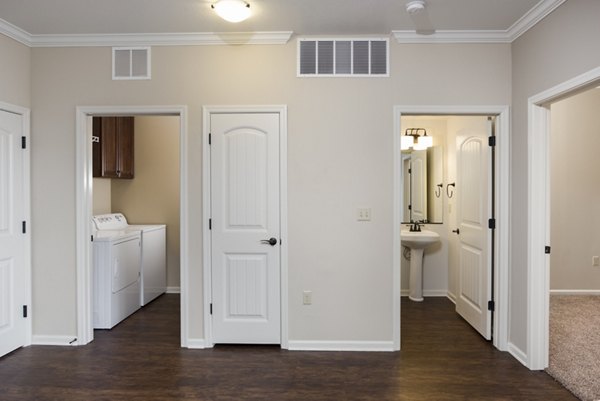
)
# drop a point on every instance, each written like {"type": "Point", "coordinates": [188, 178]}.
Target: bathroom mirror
{"type": "Point", "coordinates": [423, 190]}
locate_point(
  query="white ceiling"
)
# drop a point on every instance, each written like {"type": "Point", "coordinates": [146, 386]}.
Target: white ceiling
{"type": "Point", "coordinates": [303, 17]}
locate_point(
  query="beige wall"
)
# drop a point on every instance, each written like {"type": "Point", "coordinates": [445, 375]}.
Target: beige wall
{"type": "Point", "coordinates": [152, 196]}
{"type": "Point", "coordinates": [15, 68]}
{"type": "Point", "coordinates": [339, 154]}
{"type": "Point", "coordinates": [575, 191]}
{"type": "Point", "coordinates": [558, 48]}
{"type": "Point", "coordinates": [101, 202]}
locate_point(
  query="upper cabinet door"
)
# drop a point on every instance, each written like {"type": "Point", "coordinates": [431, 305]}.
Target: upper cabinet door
{"type": "Point", "coordinates": [113, 154]}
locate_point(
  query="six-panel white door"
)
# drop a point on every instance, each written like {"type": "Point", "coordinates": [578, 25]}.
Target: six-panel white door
{"type": "Point", "coordinates": [474, 210]}
{"type": "Point", "coordinates": [245, 216]}
{"type": "Point", "coordinates": [13, 285]}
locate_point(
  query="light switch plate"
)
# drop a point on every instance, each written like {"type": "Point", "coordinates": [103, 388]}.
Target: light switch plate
{"type": "Point", "coordinates": [307, 297]}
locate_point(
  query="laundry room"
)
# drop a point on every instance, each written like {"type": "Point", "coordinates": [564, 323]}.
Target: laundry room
{"type": "Point", "coordinates": [136, 173]}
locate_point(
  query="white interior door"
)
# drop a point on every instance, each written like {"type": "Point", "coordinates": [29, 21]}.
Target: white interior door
{"type": "Point", "coordinates": [474, 209]}
{"type": "Point", "coordinates": [418, 185]}
{"type": "Point", "coordinates": [13, 276]}
{"type": "Point", "coordinates": [244, 217]}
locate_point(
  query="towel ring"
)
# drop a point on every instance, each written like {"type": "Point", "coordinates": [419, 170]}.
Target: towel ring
{"type": "Point", "coordinates": [438, 190]}
{"type": "Point", "coordinates": [448, 192]}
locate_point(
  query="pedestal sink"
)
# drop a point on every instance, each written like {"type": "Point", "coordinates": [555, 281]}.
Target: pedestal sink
{"type": "Point", "coordinates": [417, 241]}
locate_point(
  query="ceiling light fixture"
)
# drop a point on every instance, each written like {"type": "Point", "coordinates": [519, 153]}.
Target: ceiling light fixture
{"type": "Point", "coordinates": [412, 139]}
{"type": "Point", "coordinates": [415, 6]}
{"type": "Point", "coordinates": [232, 10]}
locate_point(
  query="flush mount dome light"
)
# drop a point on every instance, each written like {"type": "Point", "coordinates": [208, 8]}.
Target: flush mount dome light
{"type": "Point", "coordinates": [232, 10]}
{"type": "Point", "coordinates": [415, 6]}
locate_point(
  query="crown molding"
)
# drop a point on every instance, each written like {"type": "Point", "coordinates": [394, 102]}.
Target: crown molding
{"type": "Point", "coordinates": [161, 39]}
{"type": "Point", "coordinates": [526, 22]}
{"type": "Point", "coordinates": [14, 32]}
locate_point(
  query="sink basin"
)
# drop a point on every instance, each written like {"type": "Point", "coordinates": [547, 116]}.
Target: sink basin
{"type": "Point", "coordinates": [418, 239]}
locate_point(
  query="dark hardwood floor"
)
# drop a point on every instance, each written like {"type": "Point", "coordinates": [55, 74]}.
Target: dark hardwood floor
{"type": "Point", "coordinates": [442, 358]}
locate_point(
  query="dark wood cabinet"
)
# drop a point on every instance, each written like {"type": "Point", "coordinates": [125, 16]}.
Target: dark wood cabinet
{"type": "Point", "coordinates": [113, 151]}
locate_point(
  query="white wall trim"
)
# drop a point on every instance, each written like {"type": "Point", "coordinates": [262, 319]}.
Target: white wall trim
{"type": "Point", "coordinates": [526, 22]}
{"type": "Point", "coordinates": [196, 343]}
{"type": "Point", "coordinates": [145, 39]}
{"type": "Point", "coordinates": [517, 353]}
{"type": "Point", "coordinates": [173, 290]}
{"type": "Point", "coordinates": [574, 292]}
{"type": "Point", "coordinates": [369, 346]}
{"type": "Point", "coordinates": [83, 177]}
{"type": "Point", "coordinates": [538, 211]}
{"type": "Point", "coordinates": [54, 340]}
{"type": "Point", "coordinates": [502, 244]}
{"type": "Point", "coordinates": [427, 293]}
{"type": "Point", "coordinates": [206, 212]}
{"type": "Point", "coordinates": [25, 113]}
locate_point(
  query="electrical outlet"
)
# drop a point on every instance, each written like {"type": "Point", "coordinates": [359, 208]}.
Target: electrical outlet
{"type": "Point", "coordinates": [307, 297]}
{"type": "Point", "coordinates": [595, 260]}
{"type": "Point", "coordinates": [363, 214]}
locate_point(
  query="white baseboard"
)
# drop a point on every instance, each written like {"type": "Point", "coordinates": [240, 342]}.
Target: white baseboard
{"type": "Point", "coordinates": [427, 293]}
{"type": "Point", "coordinates": [53, 340]}
{"type": "Point", "coordinates": [173, 290]}
{"type": "Point", "coordinates": [385, 346]}
{"type": "Point", "coordinates": [517, 353]}
{"type": "Point", "coordinates": [196, 343]}
{"type": "Point", "coordinates": [575, 292]}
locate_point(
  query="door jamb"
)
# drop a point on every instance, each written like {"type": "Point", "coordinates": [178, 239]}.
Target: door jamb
{"type": "Point", "coordinates": [83, 174]}
{"type": "Point", "coordinates": [25, 114]}
{"type": "Point", "coordinates": [206, 211]}
{"type": "Point", "coordinates": [538, 227]}
{"type": "Point", "coordinates": [502, 202]}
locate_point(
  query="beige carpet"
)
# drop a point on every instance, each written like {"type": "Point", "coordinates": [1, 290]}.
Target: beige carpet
{"type": "Point", "coordinates": [575, 344]}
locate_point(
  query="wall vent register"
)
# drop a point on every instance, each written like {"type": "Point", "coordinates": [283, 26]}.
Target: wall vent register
{"type": "Point", "coordinates": [130, 63]}
{"type": "Point", "coordinates": [343, 57]}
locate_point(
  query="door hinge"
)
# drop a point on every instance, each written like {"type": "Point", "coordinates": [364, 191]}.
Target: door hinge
{"type": "Point", "coordinates": [492, 141]}
{"type": "Point", "coordinates": [92, 238]}
{"type": "Point", "coordinates": [409, 207]}
{"type": "Point", "coordinates": [24, 310]}
{"type": "Point", "coordinates": [492, 224]}
{"type": "Point", "coordinates": [24, 227]}
{"type": "Point", "coordinates": [211, 309]}
{"type": "Point", "coordinates": [491, 306]}
{"type": "Point", "coordinates": [547, 250]}
{"type": "Point", "coordinates": [209, 139]}
{"type": "Point", "coordinates": [210, 224]}
{"type": "Point", "coordinates": [23, 142]}
{"type": "Point", "coordinates": [410, 171]}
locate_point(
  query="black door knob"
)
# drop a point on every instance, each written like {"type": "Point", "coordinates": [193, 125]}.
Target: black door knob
{"type": "Point", "coordinates": [456, 231]}
{"type": "Point", "coordinates": [271, 241]}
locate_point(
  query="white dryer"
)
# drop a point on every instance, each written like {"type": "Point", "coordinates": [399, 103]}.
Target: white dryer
{"type": "Point", "coordinates": [153, 277]}
{"type": "Point", "coordinates": [116, 272]}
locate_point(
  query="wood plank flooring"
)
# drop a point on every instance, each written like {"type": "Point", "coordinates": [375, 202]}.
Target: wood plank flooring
{"type": "Point", "coordinates": [442, 358]}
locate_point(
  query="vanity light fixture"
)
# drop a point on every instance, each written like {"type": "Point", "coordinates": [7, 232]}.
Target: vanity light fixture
{"type": "Point", "coordinates": [232, 10]}
{"type": "Point", "coordinates": [413, 139]}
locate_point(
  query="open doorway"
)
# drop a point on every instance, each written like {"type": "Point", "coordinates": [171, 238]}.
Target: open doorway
{"type": "Point", "coordinates": [496, 191]}
{"type": "Point", "coordinates": [148, 198]}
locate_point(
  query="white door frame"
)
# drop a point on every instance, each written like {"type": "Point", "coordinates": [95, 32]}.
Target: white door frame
{"type": "Point", "coordinates": [538, 227]}
{"type": "Point", "coordinates": [206, 211]}
{"type": "Point", "coordinates": [26, 115]}
{"type": "Point", "coordinates": [502, 205]}
{"type": "Point", "coordinates": [83, 177]}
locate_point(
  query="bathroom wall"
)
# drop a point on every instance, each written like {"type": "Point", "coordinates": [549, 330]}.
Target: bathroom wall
{"type": "Point", "coordinates": [575, 191]}
{"type": "Point", "coordinates": [152, 196]}
{"type": "Point", "coordinates": [435, 257]}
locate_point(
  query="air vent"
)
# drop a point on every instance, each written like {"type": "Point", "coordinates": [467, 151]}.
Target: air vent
{"type": "Point", "coordinates": [131, 63]}
{"type": "Point", "coordinates": [367, 57]}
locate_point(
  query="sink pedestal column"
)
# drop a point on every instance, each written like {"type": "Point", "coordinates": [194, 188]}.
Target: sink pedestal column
{"type": "Point", "coordinates": [416, 275]}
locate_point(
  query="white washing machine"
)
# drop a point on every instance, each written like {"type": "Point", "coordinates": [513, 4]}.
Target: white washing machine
{"type": "Point", "coordinates": [116, 272]}
{"type": "Point", "coordinates": [153, 276]}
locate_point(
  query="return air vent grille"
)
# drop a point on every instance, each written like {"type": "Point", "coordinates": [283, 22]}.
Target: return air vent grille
{"type": "Point", "coordinates": [131, 63]}
{"type": "Point", "coordinates": [343, 57]}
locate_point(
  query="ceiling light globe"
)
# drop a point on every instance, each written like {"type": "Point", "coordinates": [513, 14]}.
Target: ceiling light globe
{"type": "Point", "coordinates": [232, 10]}
{"type": "Point", "coordinates": [415, 6]}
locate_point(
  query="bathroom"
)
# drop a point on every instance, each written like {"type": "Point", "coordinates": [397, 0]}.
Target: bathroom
{"type": "Point", "coordinates": [434, 195]}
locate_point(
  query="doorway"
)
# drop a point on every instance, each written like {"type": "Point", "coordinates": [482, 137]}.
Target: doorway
{"type": "Point", "coordinates": [245, 227]}
{"type": "Point", "coordinates": [499, 195]}
{"type": "Point", "coordinates": [539, 247]}
{"type": "Point", "coordinates": [85, 208]}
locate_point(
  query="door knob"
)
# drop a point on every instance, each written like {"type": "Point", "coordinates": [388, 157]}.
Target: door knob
{"type": "Point", "coordinates": [271, 241]}
{"type": "Point", "coordinates": [457, 231]}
